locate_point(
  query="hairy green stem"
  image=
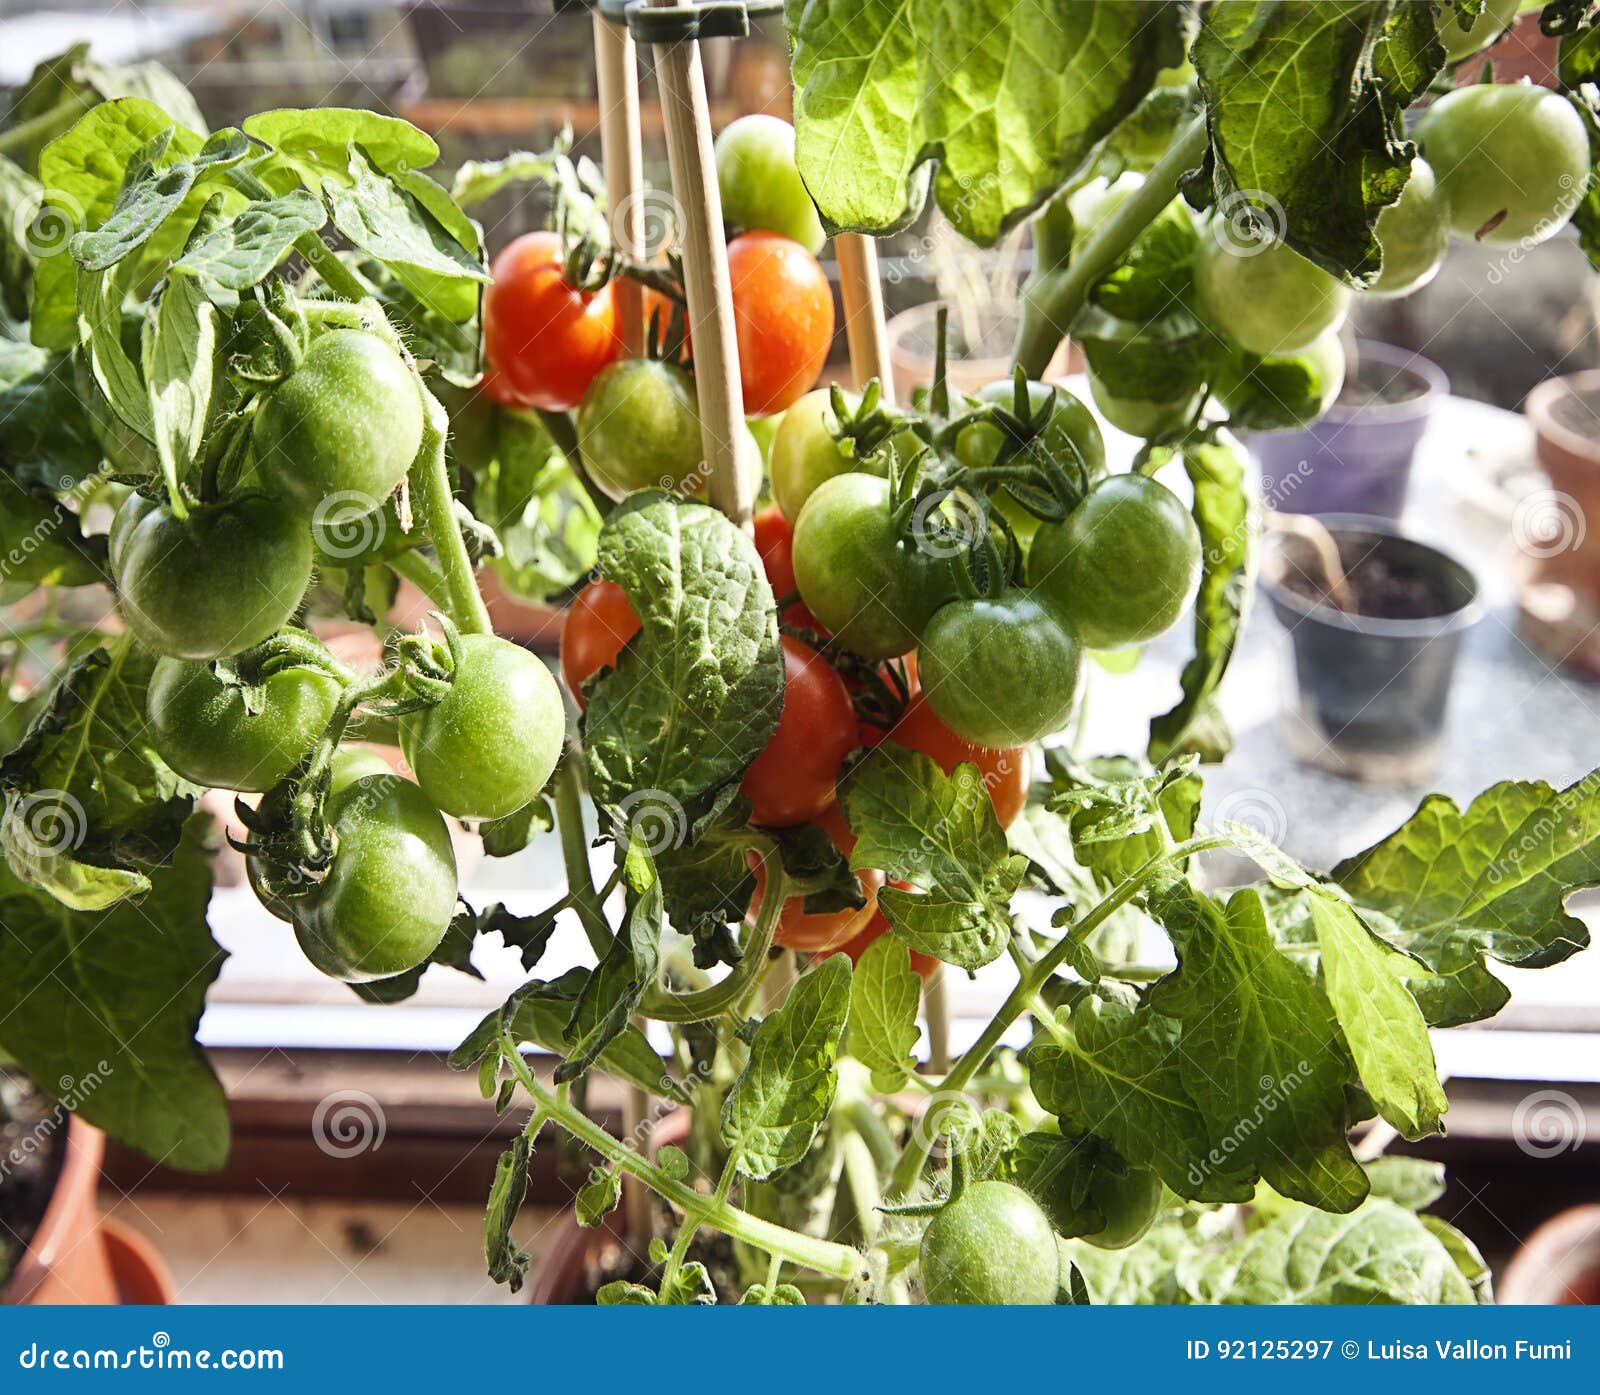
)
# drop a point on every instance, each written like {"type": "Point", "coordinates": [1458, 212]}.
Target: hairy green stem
{"type": "Point", "coordinates": [336, 276]}
{"type": "Point", "coordinates": [575, 854]}
{"type": "Point", "coordinates": [435, 505]}
{"type": "Point", "coordinates": [1055, 293]}
{"type": "Point", "coordinates": [809, 1252]}
{"type": "Point", "coordinates": [691, 1225]}
{"type": "Point", "coordinates": [422, 572]}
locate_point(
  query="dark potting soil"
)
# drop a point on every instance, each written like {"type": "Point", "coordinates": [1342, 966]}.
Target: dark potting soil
{"type": "Point", "coordinates": [1383, 589]}
{"type": "Point", "coordinates": [30, 1160]}
{"type": "Point", "coordinates": [1380, 387]}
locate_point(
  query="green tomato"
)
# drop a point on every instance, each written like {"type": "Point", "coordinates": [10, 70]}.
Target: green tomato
{"type": "Point", "coordinates": [1129, 1201]}
{"type": "Point", "coordinates": [390, 890]}
{"type": "Point", "coordinates": [1414, 233]}
{"type": "Point", "coordinates": [761, 186]}
{"type": "Point", "coordinates": [217, 582]}
{"type": "Point", "coordinates": [872, 592]}
{"type": "Point", "coordinates": [1001, 672]}
{"type": "Point", "coordinates": [487, 747]}
{"type": "Point", "coordinates": [1460, 43]}
{"type": "Point", "coordinates": [804, 452]}
{"type": "Point", "coordinates": [1285, 390]}
{"type": "Point", "coordinates": [1512, 161]}
{"type": "Point", "coordinates": [1123, 565]}
{"type": "Point", "coordinates": [345, 425]}
{"type": "Point", "coordinates": [991, 1245]}
{"type": "Point", "coordinates": [201, 727]}
{"type": "Point", "coordinates": [1142, 419]}
{"type": "Point", "coordinates": [1265, 297]}
{"type": "Point", "coordinates": [762, 432]}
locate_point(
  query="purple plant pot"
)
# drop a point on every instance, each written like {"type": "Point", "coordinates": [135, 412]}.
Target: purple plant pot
{"type": "Point", "coordinates": [1355, 459]}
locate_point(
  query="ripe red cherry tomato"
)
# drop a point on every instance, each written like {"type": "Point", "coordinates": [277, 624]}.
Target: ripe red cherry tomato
{"type": "Point", "coordinates": [545, 338]}
{"type": "Point", "coordinates": [783, 318]}
{"type": "Point", "coordinates": [791, 781]}
{"type": "Point", "coordinates": [822, 934]}
{"type": "Point", "coordinates": [877, 928]}
{"type": "Point", "coordinates": [775, 543]}
{"type": "Point", "coordinates": [598, 624]}
{"type": "Point", "coordinates": [1006, 771]}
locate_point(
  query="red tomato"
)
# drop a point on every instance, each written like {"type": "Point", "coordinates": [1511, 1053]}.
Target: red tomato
{"type": "Point", "coordinates": [496, 389]}
{"type": "Point", "coordinates": [821, 934]}
{"type": "Point", "coordinates": [544, 337]}
{"type": "Point", "coordinates": [783, 317]}
{"type": "Point", "coordinates": [877, 928]}
{"type": "Point", "coordinates": [599, 622]}
{"type": "Point", "coordinates": [1006, 772]}
{"type": "Point", "coordinates": [775, 543]}
{"type": "Point", "coordinates": [791, 781]}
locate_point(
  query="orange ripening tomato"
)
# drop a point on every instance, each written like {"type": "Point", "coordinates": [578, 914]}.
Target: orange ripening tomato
{"type": "Point", "coordinates": [783, 319]}
{"type": "Point", "coordinates": [544, 337]}
{"type": "Point", "coordinates": [775, 543]}
{"type": "Point", "coordinates": [1007, 772]}
{"type": "Point", "coordinates": [924, 964]}
{"type": "Point", "coordinates": [821, 934]}
{"type": "Point", "coordinates": [599, 622]}
{"type": "Point", "coordinates": [660, 308]}
{"type": "Point", "coordinates": [791, 781]}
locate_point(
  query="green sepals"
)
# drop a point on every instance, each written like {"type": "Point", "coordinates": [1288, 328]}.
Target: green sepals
{"type": "Point", "coordinates": [778, 1296]}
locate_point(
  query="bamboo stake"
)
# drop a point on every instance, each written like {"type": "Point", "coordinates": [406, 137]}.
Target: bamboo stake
{"type": "Point", "coordinates": [862, 297]}
{"type": "Point", "coordinates": [622, 155]}
{"type": "Point", "coordinates": [686, 117]}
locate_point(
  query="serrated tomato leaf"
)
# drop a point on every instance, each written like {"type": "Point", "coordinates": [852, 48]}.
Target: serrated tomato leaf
{"type": "Point", "coordinates": [885, 993]}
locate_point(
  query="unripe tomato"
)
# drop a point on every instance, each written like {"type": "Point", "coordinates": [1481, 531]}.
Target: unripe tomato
{"type": "Point", "coordinates": [1414, 233]}
{"type": "Point", "coordinates": [1006, 770]}
{"type": "Point", "coordinates": [804, 452]}
{"type": "Point", "coordinates": [346, 422]}
{"type": "Point", "coordinates": [1129, 1201]}
{"type": "Point", "coordinates": [761, 188]}
{"type": "Point", "coordinates": [639, 427]}
{"type": "Point", "coordinates": [1461, 43]}
{"type": "Point", "coordinates": [1264, 296]}
{"type": "Point", "coordinates": [545, 338]}
{"type": "Point", "coordinates": [792, 780]}
{"type": "Point", "coordinates": [993, 1244]}
{"type": "Point", "coordinates": [822, 934]}
{"type": "Point", "coordinates": [783, 319]}
{"type": "Point", "coordinates": [599, 622]}
{"type": "Point", "coordinates": [924, 965]}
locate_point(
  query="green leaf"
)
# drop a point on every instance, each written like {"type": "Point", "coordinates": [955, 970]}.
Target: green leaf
{"type": "Point", "coordinates": [1378, 1017]}
{"type": "Point", "coordinates": [89, 806]}
{"type": "Point", "coordinates": [478, 180]}
{"type": "Point", "coordinates": [1223, 513]}
{"type": "Point", "coordinates": [1465, 1254]}
{"type": "Point", "coordinates": [779, 1296]}
{"type": "Point", "coordinates": [507, 1260]}
{"type": "Point", "coordinates": [938, 832]}
{"type": "Point", "coordinates": [1055, 1171]}
{"type": "Point", "coordinates": [102, 1006]}
{"type": "Point", "coordinates": [1167, 359]}
{"type": "Point", "coordinates": [45, 433]}
{"type": "Point", "coordinates": [598, 1197]}
{"type": "Point", "coordinates": [40, 540]}
{"type": "Point", "coordinates": [178, 363]}
{"type": "Point", "coordinates": [100, 297]}
{"type": "Point", "coordinates": [1121, 813]}
{"type": "Point", "coordinates": [313, 146]}
{"type": "Point", "coordinates": [691, 1284]}
{"type": "Point", "coordinates": [244, 250]}
{"type": "Point", "coordinates": [1261, 1054]}
{"type": "Point", "coordinates": [1009, 100]}
{"type": "Point", "coordinates": [1415, 1183]}
{"type": "Point", "coordinates": [786, 1089]}
{"type": "Point", "coordinates": [1451, 886]}
{"type": "Point", "coordinates": [1153, 275]}
{"type": "Point", "coordinates": [707, 881]}
{"type": "Point", "coordinates": [696, 694]}
{"type": "Point", "coordinates": [884, 995]}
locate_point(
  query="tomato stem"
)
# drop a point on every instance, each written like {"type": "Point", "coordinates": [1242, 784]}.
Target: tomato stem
{"type": "Point", "coordinates": [430, 491]}
{"type": "Point", "coordinates": [575, 854]}
{"type": "Point", "coordinates": [1056, 290]}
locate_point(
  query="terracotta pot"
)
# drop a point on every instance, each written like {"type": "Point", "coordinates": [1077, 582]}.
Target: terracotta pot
{"type": "Point", "coordinates": [1558, 1263]}
{"type": "Point", "coordinates": [1565, 416]}
{"type": "Point", "coordinates": [911, 353]}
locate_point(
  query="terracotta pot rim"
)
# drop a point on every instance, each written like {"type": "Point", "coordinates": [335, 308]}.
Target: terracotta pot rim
{"type": "Point", "coordinates": [1539, 407]}
{"type": "Point", "coordinates": [75, 1188]}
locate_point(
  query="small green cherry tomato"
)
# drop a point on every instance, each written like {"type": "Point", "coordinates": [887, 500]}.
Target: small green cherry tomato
{"type": "Point", "coordinates": [1285, 390]}
{"type": "Point", "coordinates": [1462, 43]}
{"type": "Point", "coordinates": [1142, 419]}
{"type": "Point", "coordinates": [219, 581]}
{"type": "Point", "coordinates": [1265, 297]}
{"type": "Point", "coordinates": [1512, 160]}
{"type": "Point", "coordinates": [991, 1245]}
{"type": "Point", "coordinates": [487, 747]}
{"type": "Point", "coordinates": [203, 730]}
{"type": "Point", "coordinates": [1129, 1201]}
{"type": "Point", "coordinates": [804, 452]}
{"type": "Point", "coordinates": [346, 423]}
{"type": "Point", "coordinates": [639, 428]}
{"type": "Point", "coordinates": [1414, 233]}
{"type": "Point", "coordinates": [1123, 565]}
{"type": "Point", "coordinates": [761, 188]}
{"type": "Point", "coordinates": [1001, 672]}
{"type": "Point", "coordinates": [871, 592]}
{"type": "Point", "coordinates": [390, 890]}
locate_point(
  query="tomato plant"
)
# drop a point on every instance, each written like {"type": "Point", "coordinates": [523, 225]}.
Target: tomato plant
{"type": "Point", "coordinates": [923, 965]}
{"type": "Point", "coordinates": [1264, 295]}
{"type": "Point", "coordinates": [599, 622]}
{"type": "Point", "coordinates": [791, 781]}
{"type": "Point", "coordinates": [761, 188]}
{"type": "Point", "coordinates": [991, 1244]}
{"type": "Point", "coordinates": [1006, 770]}
{"type": "Point", "coordinates": [782, 316]}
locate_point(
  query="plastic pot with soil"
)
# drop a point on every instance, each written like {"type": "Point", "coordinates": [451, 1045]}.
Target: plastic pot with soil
{"type": "Point", "coordinates": [1356, 458]}
{"type": "Point", "coordinates": [1374, 660]}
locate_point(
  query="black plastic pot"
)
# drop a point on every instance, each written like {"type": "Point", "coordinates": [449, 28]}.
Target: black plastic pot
{"type": "Point", "coordinates": [1370, 691]}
